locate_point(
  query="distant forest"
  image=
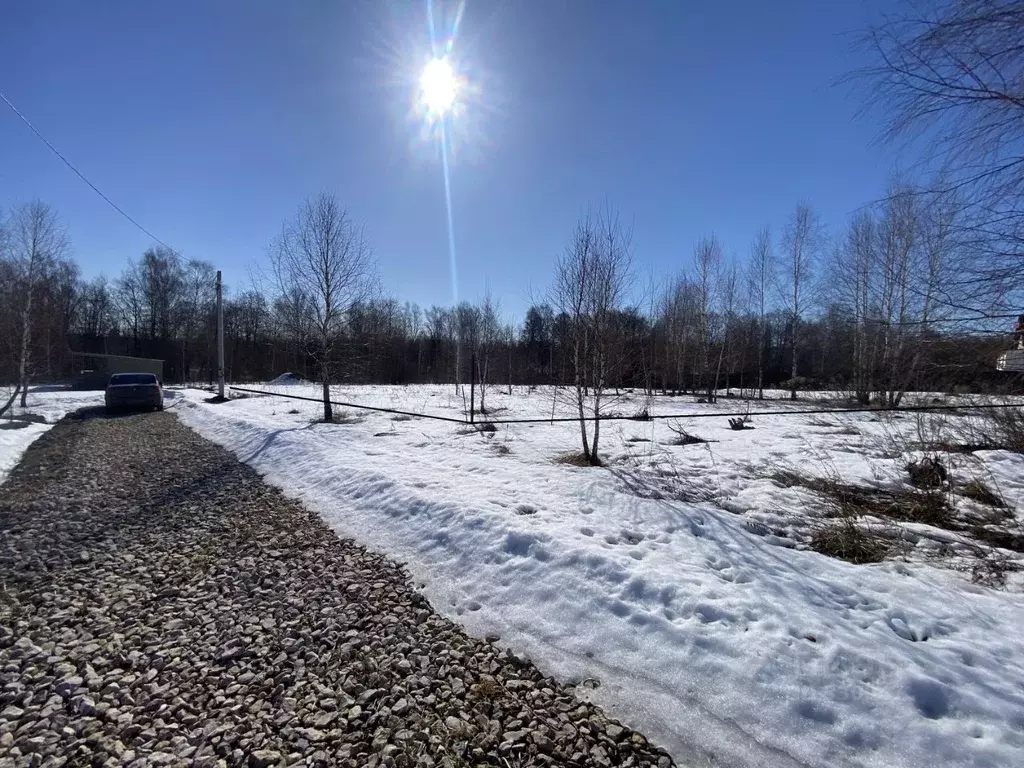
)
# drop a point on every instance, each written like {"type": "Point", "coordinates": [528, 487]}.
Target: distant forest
{"type": "Point", "coordinates": [866, 311]}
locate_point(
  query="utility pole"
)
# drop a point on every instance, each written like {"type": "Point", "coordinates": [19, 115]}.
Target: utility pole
{"type": "Point", "coordinates": [220, 337]}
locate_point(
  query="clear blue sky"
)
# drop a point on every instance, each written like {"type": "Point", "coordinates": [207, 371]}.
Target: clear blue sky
{"type": "Point", "coordinates": [209, 121]}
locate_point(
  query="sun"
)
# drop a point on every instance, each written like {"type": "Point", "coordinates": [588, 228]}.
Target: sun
{"type": "Point", "coordinates": [439, 86]}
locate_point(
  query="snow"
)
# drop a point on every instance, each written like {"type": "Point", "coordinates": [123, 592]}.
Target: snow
{"type": "Point", "coordinates": [46, 402]}
{"type": "Point", "coordinates": [704, 624]}
{"type": "Point", "coordinates": [287, 379]}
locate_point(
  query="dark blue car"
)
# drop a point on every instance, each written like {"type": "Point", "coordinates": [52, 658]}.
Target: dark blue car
{"type": "Point", "coordinates": [135, 391]}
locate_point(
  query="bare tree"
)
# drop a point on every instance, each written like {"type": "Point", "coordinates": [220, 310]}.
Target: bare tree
{"type": "Point", "coordinates": [194, 307]}
{"type": "Point", "coordinates": [801, 241]}
{"type": "Point", "coordinates": [678, 310]}
{"type": "Point", "coordinates": [852, 277]}
{"type": "Point", "coordinates": [898, 245]}
{"type": "Point", "coordinates": [954, 74]}
{"type": "Point", "coordinates": [37, 239]}
{"type": "Point", "coordinates": [94, 317]}
{"type": "Point", "coordinates": [161, 279]}
{"type": "Point", "coordinates": [728, 353]}
{"type": "Point", "coordinates": [509, 334]}
{"type": "Point", "coordinates": [707, 275]}
{"type": "Point", "coordinates": [323, 259]}
{"type": "Point", "coordinates": [591, 281]}
{"type": "Point", "coordinates": [760, 278]}
{"type": "Point", "coordinates": [467, 333]}
{"type": "Point", "coordinates": [293, 317]}
{"type": "Point", "coordinates": [130, 303]}
{"type": "Point", "coordinates": [487, 338]}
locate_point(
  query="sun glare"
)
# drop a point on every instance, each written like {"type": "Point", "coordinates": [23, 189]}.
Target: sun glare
{"type": "Point", "coordinates": [439, 86]}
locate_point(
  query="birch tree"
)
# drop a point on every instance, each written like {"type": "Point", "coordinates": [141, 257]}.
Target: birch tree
{"type": "Point", "coordinates": [488, 337]}
{"type": "Point", "coordinates": [37, 239]}
{"type": "Point", "coordinates": [323, 260]}
{"type": "Point", "coordinates": [592, 278]}
{"type": "Point", "coordinates": [707, 273]}
{"type": "Point", "coordinates": [760, 278]}
{"type": "Point", "coordinates": [801, 242]}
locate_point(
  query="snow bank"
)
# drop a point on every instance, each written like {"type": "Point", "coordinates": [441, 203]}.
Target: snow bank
{"type": "Point", "coordinates": [712, 640]}
{"type": "Point", "coordinates": [288, 380]}
{"type": "Point", "coordinates": [51, 405]}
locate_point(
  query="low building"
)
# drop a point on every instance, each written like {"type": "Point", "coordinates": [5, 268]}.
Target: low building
{"type": "Point", "coordinates": [92, 371]}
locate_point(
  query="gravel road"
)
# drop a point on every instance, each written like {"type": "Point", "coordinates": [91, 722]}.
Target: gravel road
{"type": "Point", "coordinates": [161, 605]}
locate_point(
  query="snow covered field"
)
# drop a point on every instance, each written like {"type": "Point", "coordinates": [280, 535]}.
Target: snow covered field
{"type": "Point", "coordinates": [49, 404]}
{"type": "Point", "coordinates": [674, 585]}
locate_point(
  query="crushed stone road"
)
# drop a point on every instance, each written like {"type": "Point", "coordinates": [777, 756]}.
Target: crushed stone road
{"type": "Point", "coordinates": [161, 605]}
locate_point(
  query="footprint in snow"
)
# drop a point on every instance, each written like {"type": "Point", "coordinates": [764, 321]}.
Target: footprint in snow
{"type": "Point", "coordinates": [931, 698]}
{"type": "Point", "coordinates": [814, 711]}
{"type": "Point", "coordinates": [899, 625]}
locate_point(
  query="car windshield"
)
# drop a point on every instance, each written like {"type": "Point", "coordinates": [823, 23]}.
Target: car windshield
{"type": "Point", "coordinates": [132, 378]}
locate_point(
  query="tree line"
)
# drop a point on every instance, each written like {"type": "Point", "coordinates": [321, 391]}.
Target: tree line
{"type": "Point", "coordinates": [909, 294]}
{"type": "Point", "coordinates": [864, 310]}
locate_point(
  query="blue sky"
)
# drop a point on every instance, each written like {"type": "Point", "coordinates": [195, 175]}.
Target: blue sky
{"type": "Point", "coordinates": [209, 122]}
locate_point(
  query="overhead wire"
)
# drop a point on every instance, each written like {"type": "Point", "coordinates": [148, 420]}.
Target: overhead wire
{"type": "Point", "coordinates": [81, 175]}
{"type": "Point", "coordinates": [644, 417]}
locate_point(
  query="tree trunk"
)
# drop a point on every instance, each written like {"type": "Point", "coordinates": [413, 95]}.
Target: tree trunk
{"type": "Point", "coordinates": [328, 410]}
{"type": "Point", "coordinates": [26, 337]}
{"type": "Point", "coordinates": [792, 378]}
{"type": "Point", "coordinates": [583, 423]}
{"type": "Point", "coordinates": [11, 399]}
{"type": "Point", "coordinates": [580, 396]}
{"type": "Point", "coordinates": [594, 460]}
{"type": "Point", "coordinates": [760, 360]}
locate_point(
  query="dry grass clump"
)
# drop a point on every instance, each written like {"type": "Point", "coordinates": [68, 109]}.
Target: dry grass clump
{"type": "Point", "coordinates": [575, 459]}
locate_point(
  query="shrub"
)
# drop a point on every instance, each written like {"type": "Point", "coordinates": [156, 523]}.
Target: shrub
{"type": "Point", "coordinates": [981, 493]}
{"type": "Point", "coordinates": [927, 473]}
{"type": "Point", "coordinates": [1007, 425]}
{"type": "Point", "coordinates": [643, 414]}
{"type": "Point", "coordinates": [845, 541]}
{"type": "Point", "coordinates": [846, 500]}
{"type": "Point", "coordinates": [990, 569]}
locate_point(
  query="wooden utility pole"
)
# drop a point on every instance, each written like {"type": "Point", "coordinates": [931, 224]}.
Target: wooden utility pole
{"type": "Point", "coordinates": [220, 337]}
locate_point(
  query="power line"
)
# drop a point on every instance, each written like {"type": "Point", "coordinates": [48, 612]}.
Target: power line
{"type": "Point", "coordinates": [647, 417]}
{"type": "Point", "coordinates": [936, 321]}
{"type": "Point", "coordinates": [736, 414]}
{"type": "Point", "coordinates": [353, 405]}
{"type": "Point", "coordinates": [80, 175]}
